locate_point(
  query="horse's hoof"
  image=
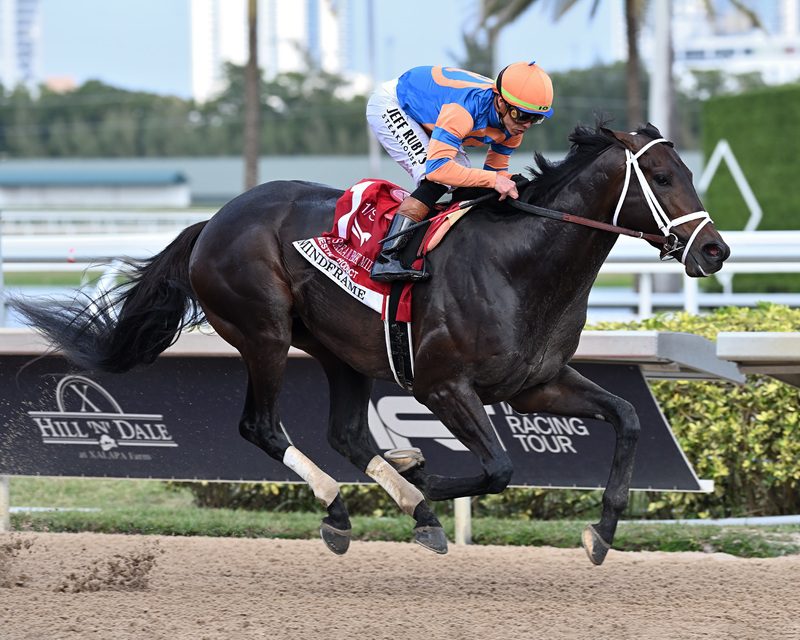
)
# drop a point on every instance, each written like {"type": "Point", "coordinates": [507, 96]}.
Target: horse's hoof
{"type": "Point", "coordinates": [432, 538]}
{"type": "Point", "coordinates": [337, 540]}
{"type": "Point", "coordinates": [405, 459]}
{"type": "Point", "coordinates": [596, 548]}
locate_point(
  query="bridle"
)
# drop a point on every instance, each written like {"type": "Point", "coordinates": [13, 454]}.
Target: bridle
{"type": "Point", "coordinates": [664, 223]}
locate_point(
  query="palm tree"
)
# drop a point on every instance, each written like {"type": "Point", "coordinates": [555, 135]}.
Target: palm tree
{"type": "Point", "coordinates": [252, 102]}
{"type": "Point", "coordinates": [738, 5]}
{"type": "Point", "coordinates": [481, 41]}
{"type": "Point", "coordinates": [635, 11]}
{"type": "Point", "coordinates": [497, 14]}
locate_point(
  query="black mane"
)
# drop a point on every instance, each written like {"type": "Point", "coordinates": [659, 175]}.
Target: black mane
{"type": "Point", "coordinates": [586, 144]}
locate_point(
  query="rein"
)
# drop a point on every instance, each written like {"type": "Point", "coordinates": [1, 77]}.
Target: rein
{"type": "Point", "coordinates": [461, 205]}
{"type": "Point", "coordinates": [670, 241]}
{"type": "Point", "coordinates": [586, 222]}
{"type": "Point", "coordinates": [544, 213]}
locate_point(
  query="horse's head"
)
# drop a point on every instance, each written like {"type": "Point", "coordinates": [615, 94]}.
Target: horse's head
{"type": "Point", "coordinates": [658, 196]}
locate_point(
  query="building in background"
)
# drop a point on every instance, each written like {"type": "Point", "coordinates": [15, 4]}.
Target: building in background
{"type": "Point", "coordinates": [20, 42]}
{"type": "Point", "coordinates": [730, 45]}
{"type": "Point", "coordinates": [292, 36]}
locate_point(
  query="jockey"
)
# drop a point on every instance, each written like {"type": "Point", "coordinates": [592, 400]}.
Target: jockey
{"type": "Point", "coordinates": [424, 119]}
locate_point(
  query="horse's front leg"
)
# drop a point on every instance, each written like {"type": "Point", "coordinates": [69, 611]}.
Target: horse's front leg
{"type": "Point", "coordinates": [458, 407]}
{"type": "Point", "coordinates": [573, 395]}
{"type": "Point", "coordinates": [348, 433]}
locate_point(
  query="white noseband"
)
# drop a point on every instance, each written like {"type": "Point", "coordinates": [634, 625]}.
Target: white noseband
{"type": "Point", "coordinates": [665, 224]}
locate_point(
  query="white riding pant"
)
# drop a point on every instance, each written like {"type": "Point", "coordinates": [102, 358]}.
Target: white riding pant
{"type": "Point", "coordinates": [405, 140]}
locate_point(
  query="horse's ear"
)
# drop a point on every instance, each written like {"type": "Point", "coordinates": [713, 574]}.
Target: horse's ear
{"type": "Point", "coordinates": [625, 138]}
{"type": "Point", "coordinates": [651, 128]}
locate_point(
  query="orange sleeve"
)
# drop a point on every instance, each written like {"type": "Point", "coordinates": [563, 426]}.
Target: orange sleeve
{"type": "Point", "coordinates": [452, 126]}
{"type": "Point", "coordinates": [496, 161]}
{"type": "Point", "coordinates": [499, 153]}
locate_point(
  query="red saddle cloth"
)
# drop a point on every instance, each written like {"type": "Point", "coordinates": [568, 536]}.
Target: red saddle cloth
{"type": "Point", "coordinates": [347, 252]}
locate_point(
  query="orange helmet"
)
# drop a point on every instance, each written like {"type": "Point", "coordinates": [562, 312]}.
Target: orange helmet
{"type": "Point", "coordinates": [527, 87]}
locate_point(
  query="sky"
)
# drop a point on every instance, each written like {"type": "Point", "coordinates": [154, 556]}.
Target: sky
{"type": "Point", "coordinates": [145, 44]}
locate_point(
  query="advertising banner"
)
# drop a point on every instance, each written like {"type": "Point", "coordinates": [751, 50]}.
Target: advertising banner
{"type": "Point", "coordinates": [178, 419]}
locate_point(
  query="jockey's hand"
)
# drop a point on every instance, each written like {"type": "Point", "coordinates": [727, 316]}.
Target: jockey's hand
{"type": "Point", "coordinates": [505, 187]}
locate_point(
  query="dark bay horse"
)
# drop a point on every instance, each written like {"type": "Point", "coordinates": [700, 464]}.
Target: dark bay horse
{"type": "Point", "coordinates": [499, 321]}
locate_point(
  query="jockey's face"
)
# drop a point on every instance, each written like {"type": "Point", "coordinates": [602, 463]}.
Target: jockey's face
{"type": "Point", "coordinates": [515, 126]}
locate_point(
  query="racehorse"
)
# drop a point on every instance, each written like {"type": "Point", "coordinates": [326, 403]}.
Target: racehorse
{"type": "Point", "coordinates": [498, 322]}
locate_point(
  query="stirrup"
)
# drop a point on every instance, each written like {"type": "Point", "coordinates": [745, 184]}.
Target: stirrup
{"type": "Point", "coordinates": [391, 270]}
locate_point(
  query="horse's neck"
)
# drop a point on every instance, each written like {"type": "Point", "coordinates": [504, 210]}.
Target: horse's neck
{"type": "Point", "coordinates": [565, 258]}
{"type": "Point", "coordinates": [588, 197]}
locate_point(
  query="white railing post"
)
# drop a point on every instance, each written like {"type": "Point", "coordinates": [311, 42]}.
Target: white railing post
{"type": "Point", "coordinates": [691, 296]}
{"type": "Point", "coordinates": [2, 278]}
{"type": "Point", "coordinates": [645, 295]}
{"type": "Point", "coordinates": [5, 505]}
{"type": "Point", "coordinates": [462, 509]}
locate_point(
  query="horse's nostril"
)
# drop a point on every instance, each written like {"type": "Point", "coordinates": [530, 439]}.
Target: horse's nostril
{"type": "Point", "coordinates": [715, 251]}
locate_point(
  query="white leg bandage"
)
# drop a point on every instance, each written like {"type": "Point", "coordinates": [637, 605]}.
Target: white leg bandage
{"type": "Point", "coordinates": [324, 487]}
{"type": "Point", "coordinates": [405, 494]}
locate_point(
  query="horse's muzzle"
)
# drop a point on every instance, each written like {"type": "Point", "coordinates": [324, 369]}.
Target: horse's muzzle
{"type": "Point", "coordinates": [707, 258]}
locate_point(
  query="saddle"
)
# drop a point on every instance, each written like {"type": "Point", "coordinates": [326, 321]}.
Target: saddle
{"type": "Point", "coordinates": [345, 254]}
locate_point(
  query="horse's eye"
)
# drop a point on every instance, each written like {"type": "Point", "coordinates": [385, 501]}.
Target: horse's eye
{"type": "Point", "coordinates": [662, 179]}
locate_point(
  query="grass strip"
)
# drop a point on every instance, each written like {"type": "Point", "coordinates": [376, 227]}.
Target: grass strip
{"type": "Point", "coordinates": [158, 508]}
{"type": "Point", "coordinates": [750, 542]}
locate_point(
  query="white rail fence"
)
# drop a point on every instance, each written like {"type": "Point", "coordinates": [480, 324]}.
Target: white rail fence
{"type": "Point", "coordinates": [79, 221]}
{"type": "Point", "coordinates": [760, 252]}
{"type": "Point", "coordinates": [755, 252]}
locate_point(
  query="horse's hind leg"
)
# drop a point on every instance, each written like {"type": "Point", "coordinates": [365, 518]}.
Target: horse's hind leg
{"type": "Point", "coordinates": [348, 433]}
{"type": "Point", "coordinates": [260, 424]}
{"type": "Point", "coordinates": [264, 349]}
{"type": "Point", "coordinates": [573, 395]}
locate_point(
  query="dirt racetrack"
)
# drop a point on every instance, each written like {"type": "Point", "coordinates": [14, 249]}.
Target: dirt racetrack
{"type": "Point", "coordinates": [55, 586]}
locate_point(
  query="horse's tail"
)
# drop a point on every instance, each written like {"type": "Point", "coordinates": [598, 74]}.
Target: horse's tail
{"type": "Point", "coordinates": [132, 324]}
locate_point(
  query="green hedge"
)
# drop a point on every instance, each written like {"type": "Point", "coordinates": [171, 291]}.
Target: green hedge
{"type": "Point", "coordinates": [745, 438]}
{"type": "Point", "coordinates": [763, 129]}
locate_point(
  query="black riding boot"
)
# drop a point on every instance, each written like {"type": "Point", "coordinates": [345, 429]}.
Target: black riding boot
{"type": "Point", "coordinates": [414, 208]}
{"type": "Point", "coordinates": [387, 267]}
